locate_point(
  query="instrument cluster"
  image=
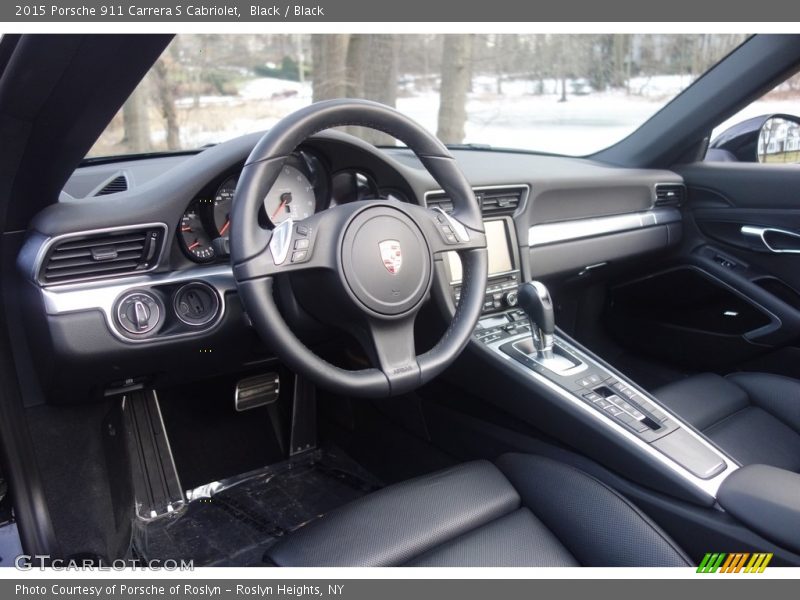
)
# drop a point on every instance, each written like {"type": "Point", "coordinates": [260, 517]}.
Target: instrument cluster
{"type": "Point", "coordinates": [305, 186]}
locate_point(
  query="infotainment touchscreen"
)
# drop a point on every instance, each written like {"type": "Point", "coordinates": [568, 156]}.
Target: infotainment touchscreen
{"type": "Point", "coordinates": [498, 247]}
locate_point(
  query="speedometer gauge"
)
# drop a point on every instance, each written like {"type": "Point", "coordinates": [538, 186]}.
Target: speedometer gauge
{"type": "Point", "coordinates": [292, 195]}
{"type": "Point", "coordinates": [195, 238]}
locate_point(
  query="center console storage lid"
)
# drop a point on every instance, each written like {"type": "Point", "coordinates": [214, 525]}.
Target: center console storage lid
{"type": "Point", "coordinates": [767, 500]}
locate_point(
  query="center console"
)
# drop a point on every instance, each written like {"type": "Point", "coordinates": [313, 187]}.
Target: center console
{"type": "Point", "coordinates": [518, 329]}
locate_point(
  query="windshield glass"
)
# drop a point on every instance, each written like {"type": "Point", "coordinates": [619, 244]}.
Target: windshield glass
{"type": "Point", "coordinates": [566, 94]}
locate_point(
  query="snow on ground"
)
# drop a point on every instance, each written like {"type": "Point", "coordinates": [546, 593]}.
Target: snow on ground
{"type": "Point", "coordinates": [518, 118]}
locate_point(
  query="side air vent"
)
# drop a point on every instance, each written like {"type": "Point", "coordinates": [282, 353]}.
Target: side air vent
{"type": "Point", "coordinates": [118, 184]}
{"type": "Point", "coordinates": [494, 202]}
{"type": "Point", "coordinates": [90, 256]}
{"type": "Point", "coordinates": [670, 194]}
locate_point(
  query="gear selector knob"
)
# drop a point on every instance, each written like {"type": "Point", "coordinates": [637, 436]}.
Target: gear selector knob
{"type": "Point", "coordinates": [535, 300]}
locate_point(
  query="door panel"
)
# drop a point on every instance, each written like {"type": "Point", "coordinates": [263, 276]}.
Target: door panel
{"type": "Point", "coordinates": [741, 305]}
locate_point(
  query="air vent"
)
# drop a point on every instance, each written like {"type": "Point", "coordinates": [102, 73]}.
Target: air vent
{"type": "Point", "coordinates": [440, 201]}
{"type": "Point", "coordinates": [493, 202]}
{"type": "Point", "coordinates": [499, 202]}
{"type": "Point", "coordinates": [670, 194]}
{"type": "Point", "coordinates": [118, 184]}
{"type": "Point", "coordinates": [90, 256]}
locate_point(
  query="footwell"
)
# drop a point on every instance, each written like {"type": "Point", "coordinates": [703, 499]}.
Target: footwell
{"type": "Point", "coordinates": [233, 522]}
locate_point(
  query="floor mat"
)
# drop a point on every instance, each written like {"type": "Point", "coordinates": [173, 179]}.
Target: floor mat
{"type": "Point", "coordinates": [210, 439]}
{"type": "Point", "coordinates": [233, 522]}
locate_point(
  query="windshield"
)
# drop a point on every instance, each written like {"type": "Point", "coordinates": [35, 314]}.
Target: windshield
{"type": "Point", "coordinates": [564, 94]}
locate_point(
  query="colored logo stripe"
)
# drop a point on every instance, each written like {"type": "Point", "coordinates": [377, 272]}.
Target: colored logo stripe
{"type": "Point", "coordinates": [758, 563]}
{"type": "Point", "coordinates": [735, 562]}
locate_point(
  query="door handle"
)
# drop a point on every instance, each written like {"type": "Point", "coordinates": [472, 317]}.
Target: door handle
{"type": "Point", "coordinates": [772, 239]}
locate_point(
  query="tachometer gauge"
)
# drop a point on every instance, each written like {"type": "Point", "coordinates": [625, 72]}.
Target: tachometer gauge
{"type": "Point", "coordinates": [292, 195]}
{"type": "Point", "coordinates": [223, 200]}
{"type": "Point", "coordinates": [195, 238]}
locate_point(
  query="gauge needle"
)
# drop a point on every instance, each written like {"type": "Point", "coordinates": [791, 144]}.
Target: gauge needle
{"type": "Point", "coordinates": [277, 210]}
{"type": "Point", "coordinates": [195, 245]}
{"type": "Point", "coordinates": [225, 227]}
{"type": "Point", "coordinates": [186, 229]}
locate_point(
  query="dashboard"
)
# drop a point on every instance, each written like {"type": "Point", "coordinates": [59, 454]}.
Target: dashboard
{"type": "Point", "coordinates": [135, 288]}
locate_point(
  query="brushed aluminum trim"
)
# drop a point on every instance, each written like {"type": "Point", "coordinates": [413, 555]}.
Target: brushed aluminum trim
{"type": "Point", "coordinates": [565, 231]}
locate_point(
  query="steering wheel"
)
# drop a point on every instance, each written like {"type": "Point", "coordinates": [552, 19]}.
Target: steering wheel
{"type": "Point", "coordinates": [374, 259]}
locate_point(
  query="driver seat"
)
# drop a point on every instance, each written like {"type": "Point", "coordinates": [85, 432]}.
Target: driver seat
{"type": "Point", "coordinates": [522, 511]}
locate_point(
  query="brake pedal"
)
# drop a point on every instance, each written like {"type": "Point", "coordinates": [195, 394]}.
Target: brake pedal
{"type": "Point", "coordinates": [259, 390]}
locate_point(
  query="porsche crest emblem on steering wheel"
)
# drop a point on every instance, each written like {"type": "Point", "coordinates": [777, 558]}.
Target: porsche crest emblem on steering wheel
{"type": "Point", "coordinates": [392, 255]}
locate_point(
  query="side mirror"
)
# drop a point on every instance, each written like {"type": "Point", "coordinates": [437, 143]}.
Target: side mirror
{"type": "Point", "coordinates": [779, 140]}
{"type": "Point", "coordinates": [771, 138]}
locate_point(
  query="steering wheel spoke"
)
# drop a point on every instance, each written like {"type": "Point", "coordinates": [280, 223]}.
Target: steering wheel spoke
{"type": "Point", "coordinates": [393, 351]}
{"type": "Point", "coordinates": [294, 246]}
{"type": "Point", "coordinates": [445, 233]}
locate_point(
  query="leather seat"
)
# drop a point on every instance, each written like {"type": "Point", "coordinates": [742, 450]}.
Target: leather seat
{"type": "Point", "coordinates": [522, 511]}
{"type": "Point", "coordinates": [754, 417]}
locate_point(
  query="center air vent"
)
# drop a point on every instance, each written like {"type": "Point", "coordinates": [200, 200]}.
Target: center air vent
{"type": "Point", "coordinates": [109, 254]}
{"type": "Point", "coordinates": [670, 194]}
{"type": "Point", "coordinates": [116, 185]}
{"type": "Point", "coordinates": [494, 202]}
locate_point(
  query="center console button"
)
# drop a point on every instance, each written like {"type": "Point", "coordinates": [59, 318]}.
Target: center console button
{"type": "Point", "coordinates": [511, 299]}
{"type": "Point", "coordinates": [626, 418]}
{"type": "Point", "coordinates": [613, 410]}
{"type": "Point", "coordinates": [660, 415]}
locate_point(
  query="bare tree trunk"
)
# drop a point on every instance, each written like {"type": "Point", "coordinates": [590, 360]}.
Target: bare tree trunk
{"type": "Point", "coordinates": [619, 75]}
{"type": "Point", "coordinates": [456, 76]}
{"type": "Point", "coordinates": [357, 57]}
{"type": "Point", "coordinates": [165, 92]}
{"type": "Point", "coordinates": [372, 74]}
{"type": "Point", "coordinates": [136, 123]}
{"type": "Point", "coordinates": [380, 79]}
{"type": "Point", "coordinates": [330, 66]}
{"type": "Point", "coordinates": [301, 67]}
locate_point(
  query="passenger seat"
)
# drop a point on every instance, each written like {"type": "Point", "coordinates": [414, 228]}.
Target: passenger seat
{"type": "Point", "coordinates": [754, 417]}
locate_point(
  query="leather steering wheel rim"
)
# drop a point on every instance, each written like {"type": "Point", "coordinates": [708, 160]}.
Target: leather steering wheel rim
{"type": "Point", "coordinates": [255, 262]}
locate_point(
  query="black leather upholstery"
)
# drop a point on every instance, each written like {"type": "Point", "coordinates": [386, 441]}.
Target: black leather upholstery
{"type": "Point", "coordinates": [754, 417]}
{"type": "Point", "coordinates": [765, 499]}
{"type": "Point", "coordinates": [526, 511]}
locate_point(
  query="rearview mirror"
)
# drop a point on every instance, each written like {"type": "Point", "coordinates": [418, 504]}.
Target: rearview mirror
{"type": "Point", "coordinates": [779, 141]}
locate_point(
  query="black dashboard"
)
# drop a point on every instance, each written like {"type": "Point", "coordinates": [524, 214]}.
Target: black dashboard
{"type": "Point", "coordinates": [126, 283]}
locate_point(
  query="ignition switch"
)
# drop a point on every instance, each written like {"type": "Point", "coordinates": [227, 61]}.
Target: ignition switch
{"type": "Point", "coordinates": [196, 304]}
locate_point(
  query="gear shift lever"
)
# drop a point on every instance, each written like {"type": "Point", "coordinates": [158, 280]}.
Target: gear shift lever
{"type": "Point", "coordinates": [534, 299]}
